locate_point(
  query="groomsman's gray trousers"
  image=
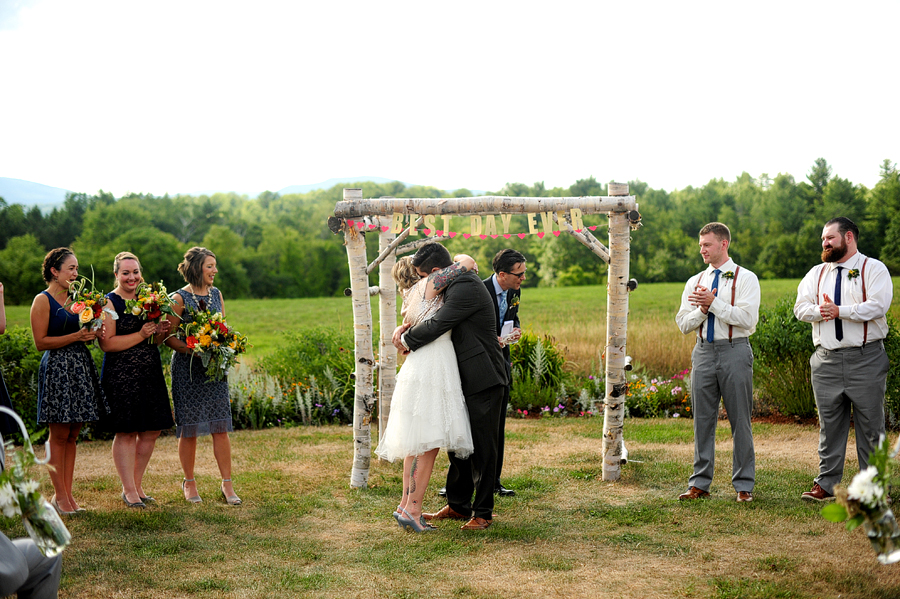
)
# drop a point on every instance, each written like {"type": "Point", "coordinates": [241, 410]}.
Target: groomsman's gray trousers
{"type": "Point", "coordinates": [854, 376]}
{"type": "Point", "coordinates": [723, 370]}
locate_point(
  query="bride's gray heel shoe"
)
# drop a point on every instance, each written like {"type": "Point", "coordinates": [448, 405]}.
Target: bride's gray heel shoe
{"type": "Point", "coordinates": [195, 498]}
{"type": "Point", "coordinates": [229, 499]}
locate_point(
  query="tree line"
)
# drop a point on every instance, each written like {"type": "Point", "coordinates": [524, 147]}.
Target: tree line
{"type": "Point", "coordinates": [280, 246]}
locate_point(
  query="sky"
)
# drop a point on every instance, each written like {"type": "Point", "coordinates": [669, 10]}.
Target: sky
{"type": "Point", "coordinates": [188, 96]}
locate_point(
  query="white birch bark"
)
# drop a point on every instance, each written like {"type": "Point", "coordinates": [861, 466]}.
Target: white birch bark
{"type": "Point", "coordinates": [616, 331]}
{"type": "Point", "coordinates": [364, 398]}
{"type": "Point", "coordinates": [387, 353]}
{"type": "Point", "coordinates": [481, 205]}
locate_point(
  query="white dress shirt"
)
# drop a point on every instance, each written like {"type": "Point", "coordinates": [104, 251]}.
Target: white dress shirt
{"type": "Point", "coordinates": [743, 316]}
{"type": "Point", "coordinates": [854, 311]}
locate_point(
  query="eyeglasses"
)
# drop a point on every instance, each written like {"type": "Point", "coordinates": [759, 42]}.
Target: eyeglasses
{"type": "Point", "coordinates": [520, 275]}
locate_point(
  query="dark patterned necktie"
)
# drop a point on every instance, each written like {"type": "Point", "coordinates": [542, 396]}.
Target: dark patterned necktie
{"type": "Point", "coordinates": [838, 325]}
{"type": "Point", "coordinates": [711, 319]}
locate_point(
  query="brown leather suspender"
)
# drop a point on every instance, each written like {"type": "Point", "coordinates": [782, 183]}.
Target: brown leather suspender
{"type": "Point", "coordinates": [863, 276]}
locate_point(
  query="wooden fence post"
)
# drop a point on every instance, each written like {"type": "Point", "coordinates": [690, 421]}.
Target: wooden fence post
{"type": "Point", "coordinates": [387, 311]}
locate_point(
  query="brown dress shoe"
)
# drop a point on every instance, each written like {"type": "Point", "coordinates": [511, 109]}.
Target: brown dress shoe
{"type": "Point", "coordinates": [445, 513]}
{"type": "Point", "coordinates": [693, 493]}
{"type": "Point", "coordinates": [476, 524]}
{"type": "Point", "coordinates": [744, 496]}
{"type": "Point", "coordinates": [816, 494]}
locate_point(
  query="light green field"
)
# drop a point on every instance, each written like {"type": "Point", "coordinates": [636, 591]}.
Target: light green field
{"type": "Point", "coordinates": [575, 316]}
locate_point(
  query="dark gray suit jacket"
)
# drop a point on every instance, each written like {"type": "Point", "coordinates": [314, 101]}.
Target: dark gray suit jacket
{"type": "Point", "coordinates": [468, 310]}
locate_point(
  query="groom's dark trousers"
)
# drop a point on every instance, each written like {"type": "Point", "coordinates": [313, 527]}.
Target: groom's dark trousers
{"type": "Point", "coordinates": [483, 371]}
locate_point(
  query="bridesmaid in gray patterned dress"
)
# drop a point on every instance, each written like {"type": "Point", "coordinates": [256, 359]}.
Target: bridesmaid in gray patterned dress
{"type": "Point", "coordinates": [202, 406]}
{"type": "Point", "coordinates": [69, 392]}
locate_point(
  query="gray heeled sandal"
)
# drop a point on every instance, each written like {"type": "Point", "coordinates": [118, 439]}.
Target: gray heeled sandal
{"type": "Point", "coordinates": [229, 499]}
{"type": "Point", "coordinates": [195, 498]}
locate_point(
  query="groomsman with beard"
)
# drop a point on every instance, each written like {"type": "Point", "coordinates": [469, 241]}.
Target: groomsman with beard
{"type": "Point", "coordinates": [846, 298]}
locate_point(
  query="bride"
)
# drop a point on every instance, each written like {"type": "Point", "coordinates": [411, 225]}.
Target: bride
{"type": "Point", "coordinates": [428, 411]}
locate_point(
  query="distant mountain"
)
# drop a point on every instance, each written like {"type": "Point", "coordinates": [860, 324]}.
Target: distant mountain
{"type": "Point", "coordinates": [26, 193]}
{"type": "Point", "coordinates": [329, 184]}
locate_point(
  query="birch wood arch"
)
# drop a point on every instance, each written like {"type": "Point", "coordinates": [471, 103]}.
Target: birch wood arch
{"type": "Point", "coordinates": [355, 216]}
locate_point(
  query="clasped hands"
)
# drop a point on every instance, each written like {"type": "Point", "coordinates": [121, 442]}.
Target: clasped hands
{"type": "Point", "coordinates": [828, 309]}
{"type": "Point", "coordinates": [150, 328]}
{"type": "Point", "coordinates": [702, 298]}
{"type": "Point", "coordinates": [395, 338]}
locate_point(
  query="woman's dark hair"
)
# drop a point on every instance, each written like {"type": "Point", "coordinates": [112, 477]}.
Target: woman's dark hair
{"type": "Point", "coordinates": [54, 259]}
{"type": "Point", "coordinates": [191, 268]}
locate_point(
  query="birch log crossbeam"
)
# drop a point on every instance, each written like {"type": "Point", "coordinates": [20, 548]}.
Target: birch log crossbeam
{"type": "Point", "coordinates": [482, 205]}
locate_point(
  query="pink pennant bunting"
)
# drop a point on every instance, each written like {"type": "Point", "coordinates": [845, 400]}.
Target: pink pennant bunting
{"type": "Point", "coordinates": [372, 226]}
{"type": "Point", "coordinates": [453, 234]}
{"type": "Point", "coordinates": [439, 233]}
{"type": "Point", "coordinates": [556, 233]}
{"type": "Point", "coordinates": [594, 228]}
{"type": "Point", "coordinates": [507, 235]}
{"type": "Point", "coordinates": [579, 230]}
{"type": "Point", "coordinates": [466, 235]}
{"type": "Point", "coordinates": [521, 235]}
{"type": "Point", "coordinates": [351, 223]}
{"type": "Point", "coordinates": [483, 236]}
{"type": "Point", "coordinates": [494, 236]}
{"type": "Point", "coordinates": [540, 235]}
{"type": "Point", "coordinates": [385, 229]}
{"type": "Point", "coordinates": [426, 231]}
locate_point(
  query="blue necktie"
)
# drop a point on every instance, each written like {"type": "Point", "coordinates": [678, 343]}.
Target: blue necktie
{"type": "Point", "coordinates": [502, 305]}
{"type": "Point", "coordinates": [838, 325]}
{"type": "Point", "coordinates": [711, 319]}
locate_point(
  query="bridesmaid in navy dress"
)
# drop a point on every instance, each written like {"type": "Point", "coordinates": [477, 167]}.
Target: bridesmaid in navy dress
{"type": "Point", "coordinates": [133, 382]}
{"type": "Point", "coordinates": [69, 392]}
{"type": "Point", "coordinates": [202, 406]}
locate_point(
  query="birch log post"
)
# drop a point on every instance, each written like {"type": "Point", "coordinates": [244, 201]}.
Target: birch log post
{"type": "Point", "coordinates": [364, 398]}
{"type": "Point", "coordinates": [616, 331]}
{"type": "Point", "coordinates": [387, 353]}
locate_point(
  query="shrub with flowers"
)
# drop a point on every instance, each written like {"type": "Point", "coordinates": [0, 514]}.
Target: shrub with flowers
{"type": "Point", "coordinates": [654, 397]}
{"type": "Point", "coordinates": [209, 336]}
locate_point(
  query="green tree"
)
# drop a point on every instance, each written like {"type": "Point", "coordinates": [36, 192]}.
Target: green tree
{"type": "Point", "coordinates": [20, 269]}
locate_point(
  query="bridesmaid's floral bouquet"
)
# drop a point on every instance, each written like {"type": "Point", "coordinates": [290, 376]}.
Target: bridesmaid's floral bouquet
{"type": "Point", "coordinates": [209, 336]}
{"type": "Point", "coordinates": [90, 305]}
{"type": "Point", "coordinates": [20, 496]}
{"type": "Point", "coordinates": [152, 303]}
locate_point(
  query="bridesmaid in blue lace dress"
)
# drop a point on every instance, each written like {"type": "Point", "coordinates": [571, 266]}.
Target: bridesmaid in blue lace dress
{"type": "Point", "coordinates": [69, 392]}
{"type": "Point", "coordinates": [202, 406]}
{"type": "Point", "coordinates": [133, 382]}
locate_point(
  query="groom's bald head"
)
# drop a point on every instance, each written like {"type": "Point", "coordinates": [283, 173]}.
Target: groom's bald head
{"type": "Point", "coordinates": [430, 256]}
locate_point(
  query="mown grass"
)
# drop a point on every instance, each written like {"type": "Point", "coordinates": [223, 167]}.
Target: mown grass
{"type": "Point", "coordinates": [303, 532]}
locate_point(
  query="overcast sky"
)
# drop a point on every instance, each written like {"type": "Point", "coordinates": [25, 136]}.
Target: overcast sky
{"type": "Point", "coordinates": [186, 96]}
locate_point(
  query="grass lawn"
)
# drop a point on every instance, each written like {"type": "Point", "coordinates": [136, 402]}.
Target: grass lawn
{"type": "Point", "coordinates": [302, 532]}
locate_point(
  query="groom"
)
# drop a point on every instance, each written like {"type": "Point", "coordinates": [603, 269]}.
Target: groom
{"type": "Point", "coordinates": [469, 311]}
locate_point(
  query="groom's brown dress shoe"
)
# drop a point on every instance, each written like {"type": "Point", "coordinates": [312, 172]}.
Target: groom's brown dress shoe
{"type": "Point", "coordinates": [446, 513]}
{"type": "Point", "coordinates": [816, 494]}
{"type": "Point", "coordinates": [476, 524]}
{"type": "Point", "coordinates": [693, 493]}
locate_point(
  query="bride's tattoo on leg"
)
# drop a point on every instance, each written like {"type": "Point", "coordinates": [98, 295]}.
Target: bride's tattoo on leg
{"type": "Point", "coordinates": [412, 475]}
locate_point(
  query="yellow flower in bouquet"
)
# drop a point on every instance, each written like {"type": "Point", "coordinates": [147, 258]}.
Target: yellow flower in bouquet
{"type": "Point", "coordinates": [210, 338]}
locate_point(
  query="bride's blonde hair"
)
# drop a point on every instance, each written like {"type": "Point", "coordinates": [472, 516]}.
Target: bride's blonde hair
{"type": "Point", "coordinates": [404, 274]}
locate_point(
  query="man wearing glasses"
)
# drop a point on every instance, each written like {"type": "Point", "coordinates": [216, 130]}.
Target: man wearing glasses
{"type": "Point", "coordinates": [505, 287]}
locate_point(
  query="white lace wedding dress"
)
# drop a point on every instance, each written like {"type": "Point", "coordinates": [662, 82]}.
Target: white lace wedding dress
{"type": "Point", "coordinates": [428, 409]}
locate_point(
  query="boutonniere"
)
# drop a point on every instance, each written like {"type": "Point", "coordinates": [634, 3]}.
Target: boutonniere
{"type": "Point", "coordinates": [852, 273]}
{"type": "Point", "coordinates": [728, 275]}
{"type": "Point", "coordinates": [515, 302]}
